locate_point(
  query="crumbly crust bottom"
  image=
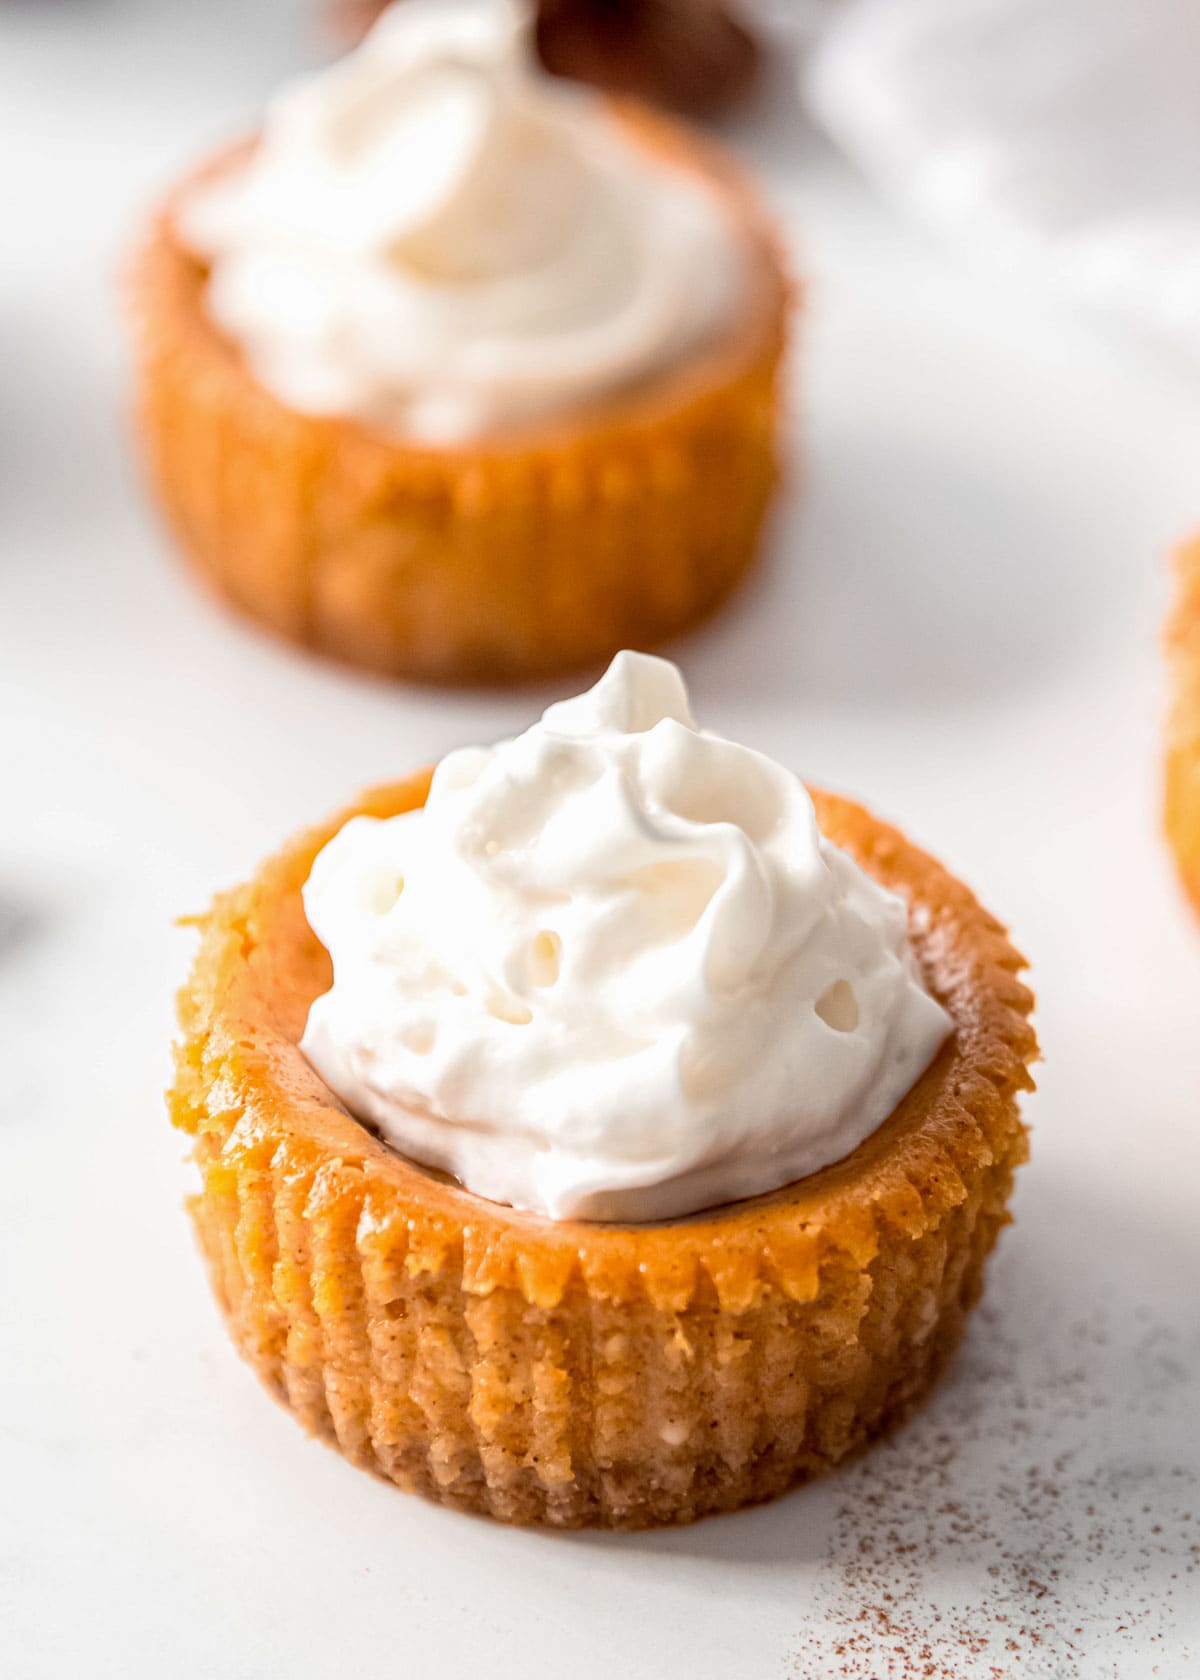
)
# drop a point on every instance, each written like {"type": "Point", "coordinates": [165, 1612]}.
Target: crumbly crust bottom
{"type": "Point", "coordinates": [575, 1374]}
{"type": "Point", "coordinates": [517, 556]}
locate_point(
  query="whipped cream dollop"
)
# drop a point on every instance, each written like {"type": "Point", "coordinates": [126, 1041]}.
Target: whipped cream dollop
{"type": "Point", "coordinates": [435, 237]}
{"type": "Point", "coordinates": [612, 969]}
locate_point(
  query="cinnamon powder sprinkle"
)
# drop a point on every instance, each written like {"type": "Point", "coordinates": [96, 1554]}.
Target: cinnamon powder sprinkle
{"type": "Point", "coordinates": [1040, 1520]}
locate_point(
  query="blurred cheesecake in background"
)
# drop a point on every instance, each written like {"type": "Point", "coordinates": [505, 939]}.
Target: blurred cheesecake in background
{"type": "Point", "coordinates": [459, 372]}
{"type": "Point", "coordinates": [1182, 781]}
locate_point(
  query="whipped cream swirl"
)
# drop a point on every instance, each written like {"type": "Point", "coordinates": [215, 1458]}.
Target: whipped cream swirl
{"type": "Point", "coordinates": [612, 969]}
{"type": "Point", "coordinates": [434, 237]}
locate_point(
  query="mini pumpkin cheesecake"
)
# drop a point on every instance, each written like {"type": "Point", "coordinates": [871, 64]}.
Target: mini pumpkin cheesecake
{"type": "Point", "coordinates": [557, 1183]}
{"type": "Point", "coordinates": [457, 373]}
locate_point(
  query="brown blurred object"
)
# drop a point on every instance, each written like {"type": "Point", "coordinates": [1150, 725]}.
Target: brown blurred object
{"type": "Point", "coordinates": [692, 56]}
{"type": "Point", "coordinates": [349, 20]}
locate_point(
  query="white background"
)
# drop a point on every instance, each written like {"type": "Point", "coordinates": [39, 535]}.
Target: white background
{"type": "Point", "coordinates": [957, 619]}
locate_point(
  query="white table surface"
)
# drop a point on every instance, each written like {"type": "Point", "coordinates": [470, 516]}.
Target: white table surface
{"type": "Point", "coordinates": [957, 620]}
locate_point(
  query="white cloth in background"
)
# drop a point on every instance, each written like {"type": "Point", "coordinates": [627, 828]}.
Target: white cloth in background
{"type": "Point", "coordinates": [1059, 135]}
